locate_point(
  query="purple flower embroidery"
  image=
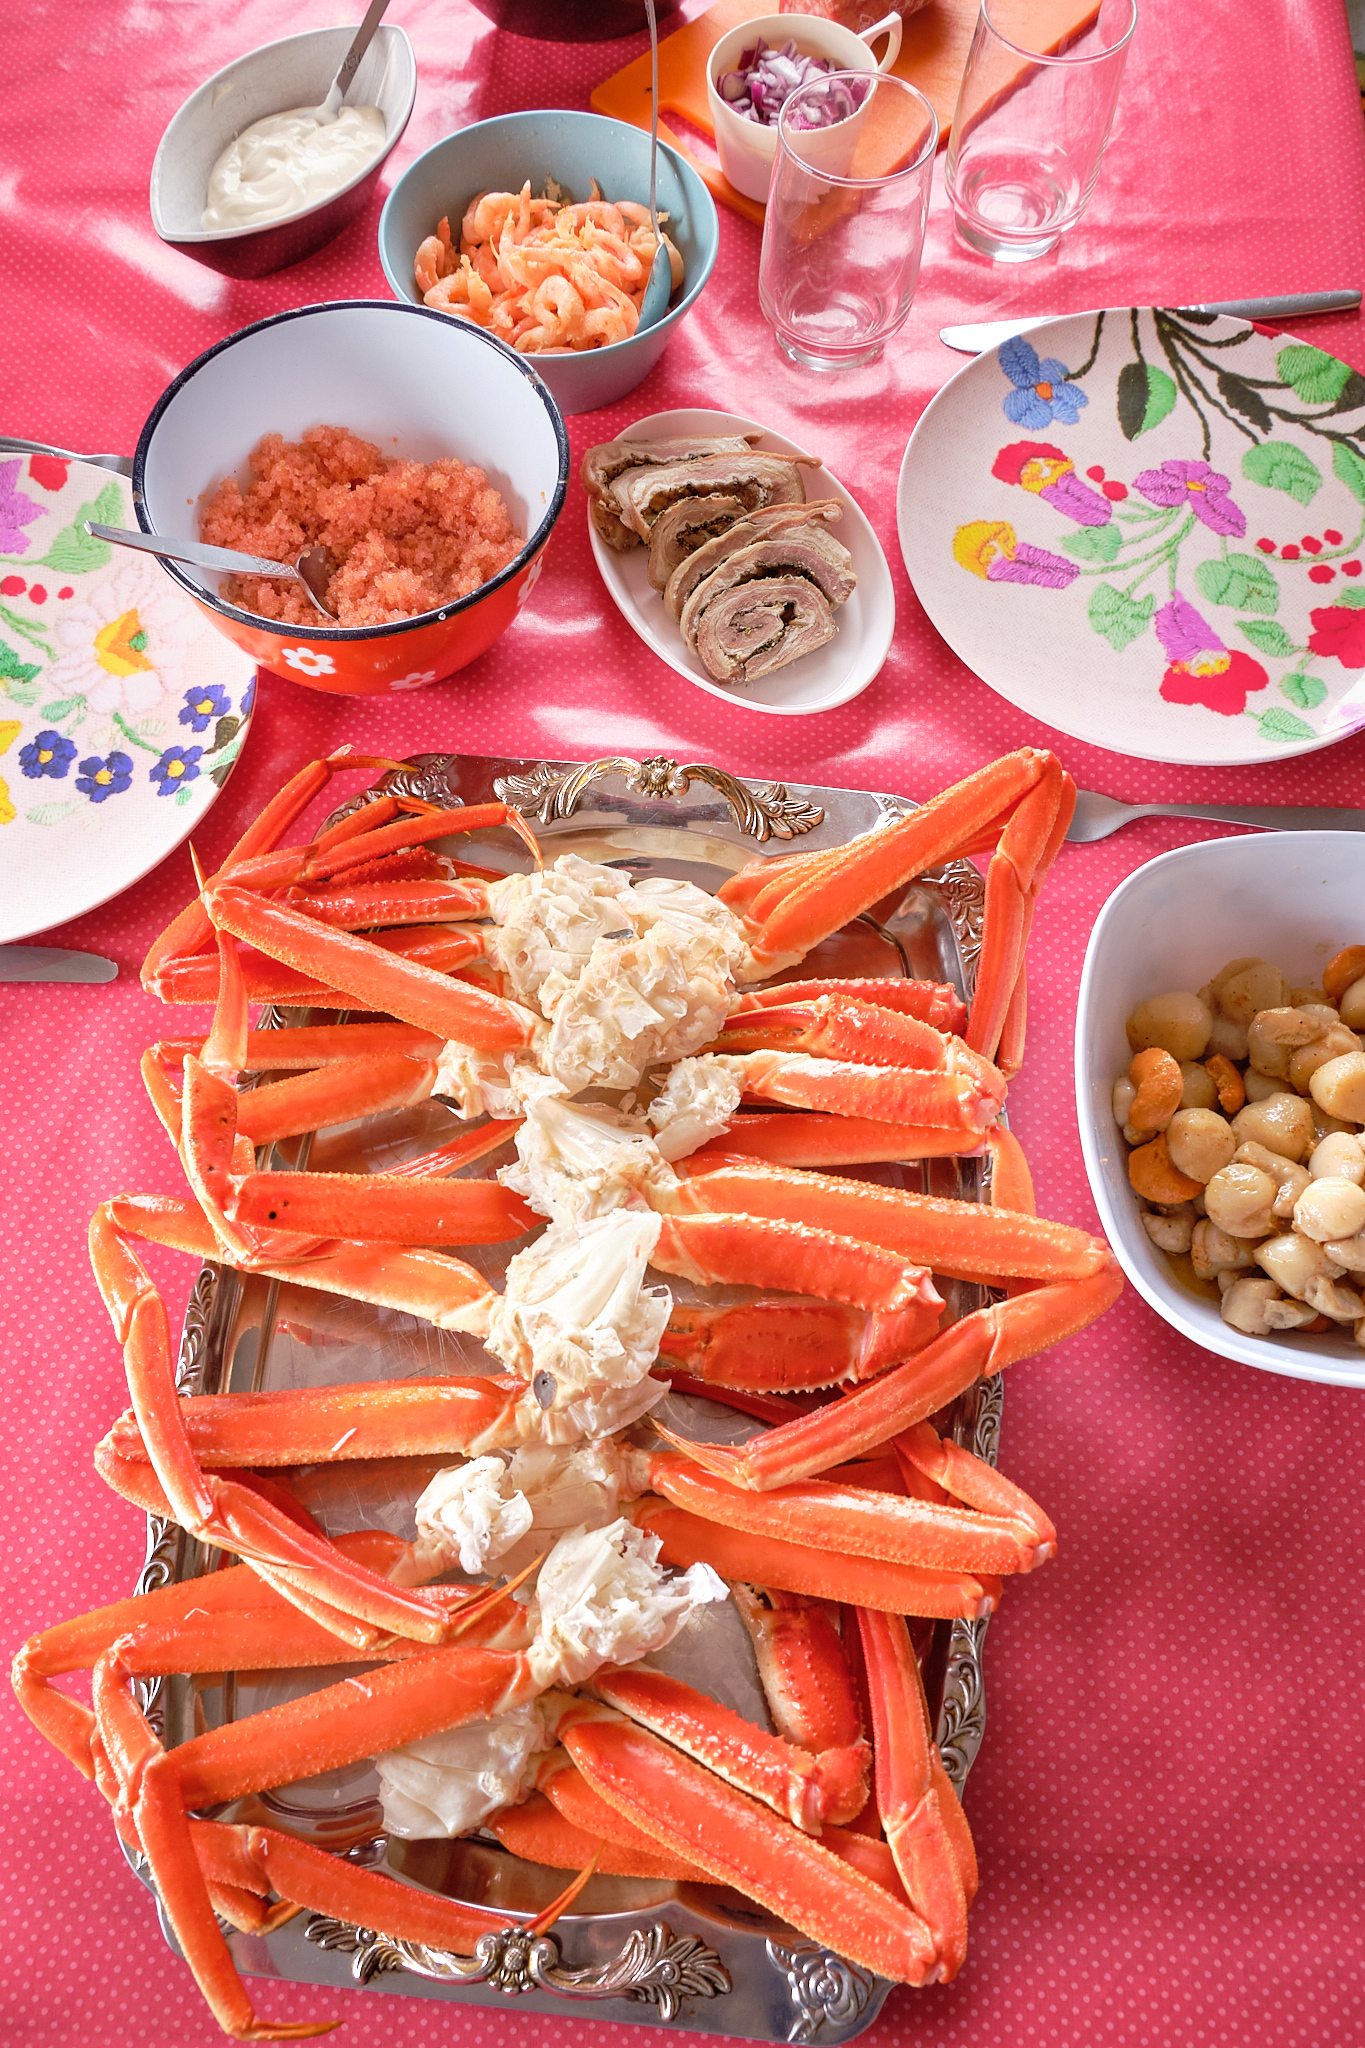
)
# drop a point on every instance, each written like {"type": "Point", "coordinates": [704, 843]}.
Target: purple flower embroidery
{"type": "Point", "coordinates": [16, 511]}
{"type": "Point", "coordinates": [1201, 488]}
{"type": "Point", "coordinates": [1041, 393]}
{"type": "Point", "coordinates": [1183, 633]}
{"type": "Point", "coordinates": [1039, 467]}
{"type": "Point", "coordinates": [1029, 564]}
{"type": "Point", "coordinates": [105, 776]}
{"type": "Point", "coordinates": [177, 765]}
{"type": "Point", "coordinates": [49, 754]}
{"type": "Point", "coordinates": [1201, 669]}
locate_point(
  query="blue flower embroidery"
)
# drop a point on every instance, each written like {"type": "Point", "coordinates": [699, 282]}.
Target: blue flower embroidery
{"type": "Point", "coordinates": [201, 706]}
{"type": "Point", "coordinates": [176, 766]}
{"type": "Point", "coordinates": [49, 754]}
{"type": "Point", "coordinates": [249, 699]}
{"type": "Point", "coordinates": [109, 776]}
{"type": "Point", "coordinates": [1041, 393]}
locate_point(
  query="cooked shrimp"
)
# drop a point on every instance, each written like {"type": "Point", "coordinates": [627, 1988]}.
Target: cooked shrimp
{"type": "Point", "coordinates": [435, 259]}
{"type": "Point", "coordinates": [543, 275]}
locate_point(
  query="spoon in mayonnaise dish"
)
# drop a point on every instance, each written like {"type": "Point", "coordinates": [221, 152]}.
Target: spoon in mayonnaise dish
{"type": "Point", "coordinates": [313, 569]}
{"type": "Point", "coordinates": [350, 63]}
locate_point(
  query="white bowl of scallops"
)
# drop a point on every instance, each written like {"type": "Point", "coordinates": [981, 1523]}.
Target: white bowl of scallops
{"type": "Point", "coordinates": [1220, 1086]}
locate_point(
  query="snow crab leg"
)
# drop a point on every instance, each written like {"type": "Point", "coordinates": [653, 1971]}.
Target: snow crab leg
{"type": "Point", "coordinates": [1017, 808]}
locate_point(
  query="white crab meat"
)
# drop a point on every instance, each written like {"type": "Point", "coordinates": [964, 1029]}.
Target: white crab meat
{"type": "Point", "coordinates": [512, 1508]}
{"type": "Point", "coordinates": [627, 976]}
{"type": "Point", "coordinates": [579, 1160]}
{"type": "Point", "coordinates": [638, 1003]}
{"type": "Point", "coordinates": [696, 1102]}
{"type": "Point", "coordinates": [576, 1317]}
{"type": "Point", "coordinates": [602, 1599]}
{"type": "Point", "coordinates": [479, 1083]}
{"type": "Point", "coordinates": [548, 922]}
{"type": "Point", "coordinates": [448, 1784]}
{"type": "Point", "coordinates": [468, 1516]}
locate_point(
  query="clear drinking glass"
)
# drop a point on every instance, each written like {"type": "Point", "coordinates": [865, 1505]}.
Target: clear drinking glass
{"type": "Point", "coordinates": [1031, 126]}
{"type": "Point", "coordinates": [845, 222]}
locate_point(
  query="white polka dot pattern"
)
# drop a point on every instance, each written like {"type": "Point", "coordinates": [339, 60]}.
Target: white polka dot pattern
{"type": "Point", "coordinates": [1168, 1801]}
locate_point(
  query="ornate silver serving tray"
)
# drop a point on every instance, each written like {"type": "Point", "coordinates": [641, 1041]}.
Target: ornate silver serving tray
{"type": "Point", "coordinates": [701, 1957]}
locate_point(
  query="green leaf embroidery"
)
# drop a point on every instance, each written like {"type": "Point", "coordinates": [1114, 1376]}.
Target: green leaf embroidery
{"type": "Point", "coordinates": [1305, 691]}
{"type": "Point", "coordinates": [183, 794]}
{"type": "Point", "coordinates": [1145, 396]}
{"type": "Point", "coordinates": [1242, 581]}
{"type": "Point", "coordinates": [1349, 469]}
{"type": "Point", "coordinates": [25, 630]}
{"type": "Point", "coordinates": [1282, 467]}
{"type": "Point", "coordinates": [1317, 378]}
{"type": "Point", "coordinates": [74, 551]}
{"type": "Point", "coordinates": [1353, 598]}
{"type": "Point", "coordinates": [22, 688]}
{"type": "Point", "coordinates": [1118, 617]}
{"type": "Point", "coordinates": [50, 814]}
{"type": "Point", "coordinates": [61, 708]}
{"type": "Point", "coordinates": [1265, 634]}
{"type": "Point", "coordinates": [109, 507]}
{"type": "Point", "coordinates": [13, 670]}
{"type": "Point", "coordinates": [1245, 399]}
{"type": "Point", "coordinates": [223, 732]}
{"type": "Point", "coordinates": [134, 733]}
{"type": "Point", "coordinates": [1094, 543]}
{"type": "Point", "coordinates": [1282, 725]}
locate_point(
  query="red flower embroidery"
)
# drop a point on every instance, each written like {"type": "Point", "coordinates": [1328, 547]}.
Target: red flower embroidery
{"type": "Point", "coordinates": [47, 470]}
{"type": "Point", "coordinates": [1339, 630]}
{"type": "Point", "coordinates": [1224, 689]}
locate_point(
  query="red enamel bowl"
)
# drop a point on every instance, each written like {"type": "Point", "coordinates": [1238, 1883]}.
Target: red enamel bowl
{"type": "Point", "coordinates": [415, 382]}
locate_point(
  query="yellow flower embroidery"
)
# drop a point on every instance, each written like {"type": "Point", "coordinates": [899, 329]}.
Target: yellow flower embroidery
{"type": "Point", "coordinates": [9, 732]}
{"type": "Point", "coordinates": [119, 646]}
{"type": "Point", "coordinates": [977, 545]}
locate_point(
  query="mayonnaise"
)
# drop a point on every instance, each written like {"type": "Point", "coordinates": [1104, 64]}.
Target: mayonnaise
{"type": "Point", "coordinates": [289, 161]}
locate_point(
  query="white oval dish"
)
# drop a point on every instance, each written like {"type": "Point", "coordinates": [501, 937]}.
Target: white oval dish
{"type": "Point", "coordinates": [1293, 898]}
{"type": "Point", "coordinates": [817, 682]}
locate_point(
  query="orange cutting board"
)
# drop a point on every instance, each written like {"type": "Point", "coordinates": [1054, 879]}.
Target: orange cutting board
{"type": "Point", "coordinates": [933, 56]}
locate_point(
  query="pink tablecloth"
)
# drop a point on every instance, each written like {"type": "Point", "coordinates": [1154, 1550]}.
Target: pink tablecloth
{"type": "Point", "coordinates": [1168, 1802]}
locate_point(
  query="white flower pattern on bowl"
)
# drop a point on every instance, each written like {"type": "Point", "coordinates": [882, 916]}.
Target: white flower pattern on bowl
{"type": "Point", "coordinates": [307, 662]}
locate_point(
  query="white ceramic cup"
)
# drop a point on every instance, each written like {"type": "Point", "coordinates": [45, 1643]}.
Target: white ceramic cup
{"type": "Point", "coordinates": [748, 148]}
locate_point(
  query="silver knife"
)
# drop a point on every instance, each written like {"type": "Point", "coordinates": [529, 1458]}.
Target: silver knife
{"type": "Point", "coordinates": [53, 963]}
{"type": "Point", "coordinates": [975, 340]}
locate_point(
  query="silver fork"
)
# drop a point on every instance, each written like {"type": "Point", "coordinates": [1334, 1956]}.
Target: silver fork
{"type": "Point", "coordinates": [1097, 816]}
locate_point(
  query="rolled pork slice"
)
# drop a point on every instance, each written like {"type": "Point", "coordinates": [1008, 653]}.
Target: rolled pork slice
{"type": "Point", "coordinates": [640, 495]}
{"type": "Point", "coordinates": [610, 459]}
{"type": "Point", "coordinates": [686, 526]}
{"type": "Point", "coordinates": [767, 524]}
{"type": "Point", "coordinates": [803, 551]}
{"type": "Point", "coordinates": [760, 626]}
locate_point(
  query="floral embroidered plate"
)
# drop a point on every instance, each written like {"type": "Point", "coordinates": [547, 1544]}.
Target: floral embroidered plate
{"type": "Point", "coordinates": [1147, 529]}
{"type": "Point", "coordinates": [122, 709]}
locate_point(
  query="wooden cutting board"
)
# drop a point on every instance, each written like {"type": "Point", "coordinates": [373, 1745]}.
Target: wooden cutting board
{"type": "Point", "coordinates": [933, 56]}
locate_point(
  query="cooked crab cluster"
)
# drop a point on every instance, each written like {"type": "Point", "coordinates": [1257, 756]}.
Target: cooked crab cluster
{"type": "Point", "coordinates": [1244, 1105]}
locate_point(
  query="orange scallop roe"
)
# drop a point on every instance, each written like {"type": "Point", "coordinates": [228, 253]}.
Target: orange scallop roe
{"type": "Point", "coordinates": [407, 537]}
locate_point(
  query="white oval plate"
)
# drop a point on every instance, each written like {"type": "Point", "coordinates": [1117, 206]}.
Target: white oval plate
{"type": "Point", "coordinates": [833, 673]}
{"type": "Point", "coordinates": [122, 710]}
{"type": "Point", "coordinates": [1177, 570]}
{"type": "Point", "coordinates": [1292, 898]}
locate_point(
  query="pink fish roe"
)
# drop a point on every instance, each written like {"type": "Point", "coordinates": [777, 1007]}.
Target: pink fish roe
{"type": "Point", "coordinates": [407, 537]}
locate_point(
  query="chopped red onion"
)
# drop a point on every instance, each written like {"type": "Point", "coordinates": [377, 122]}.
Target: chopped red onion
{"type": "Point", "coordinates": [766, 77]}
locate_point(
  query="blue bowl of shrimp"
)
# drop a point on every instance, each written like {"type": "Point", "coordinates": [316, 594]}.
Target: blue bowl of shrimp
{"type": "Point", "coordinates": [573, 314]}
